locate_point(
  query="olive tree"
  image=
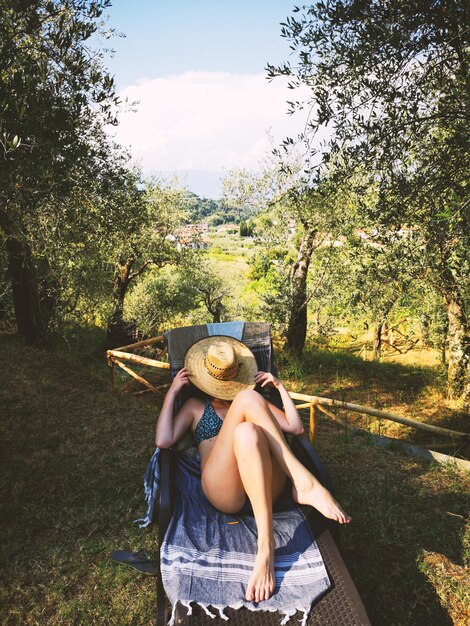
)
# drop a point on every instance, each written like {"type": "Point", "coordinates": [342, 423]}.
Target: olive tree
{"type": "Point", "coordinates": [390, 80]}
{"type": "Point", "coordinates": [55, 100]}
{"type": "Point", "coordinates": [145, 214]}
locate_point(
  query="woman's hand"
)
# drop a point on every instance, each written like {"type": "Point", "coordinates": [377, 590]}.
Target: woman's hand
{"type": "Point", "coordinates": [266, 378]}
{"type": "Point", "coordinates": [180, 380]}
{"type": "Point", "coordinates": [289, 419]}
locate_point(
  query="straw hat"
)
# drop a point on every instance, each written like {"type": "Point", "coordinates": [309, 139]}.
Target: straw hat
{"type": "Point", "coordinates": [221, 366]}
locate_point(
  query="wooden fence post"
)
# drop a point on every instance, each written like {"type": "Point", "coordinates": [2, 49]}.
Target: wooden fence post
{"type": "Point", "coordinates": [112, 372]}
{"type": "Point", "coordinates": [313, 420]}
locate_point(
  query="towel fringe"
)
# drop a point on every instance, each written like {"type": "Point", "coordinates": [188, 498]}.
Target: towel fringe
{"type": "Point", "coordinates": [221, 611]}
{"type": "Point", "coordinates": [173, 614]}
{"type": "Point", "coordinates": [188, 606]}
{"type": "Point", "coordinates": [303, 621]}
{"type": "Point", "coordinates": [220, 608]}
{"type": "Point", "coordinates": [203, 606]}
{"type": "Point", "coordinates": [143, 522]}
{"type": "Point", "coordinates": [287, 617]}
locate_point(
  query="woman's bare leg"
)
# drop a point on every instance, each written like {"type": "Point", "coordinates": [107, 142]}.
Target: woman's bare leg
{"type": "Point", "coordinates": [246, 468]}
{"type": "Point", "coordinates": [250, 406]}
{"type": "Point", "coordinates": [256, 472]}
{"type": "Point", "coordinates": [236, 468]}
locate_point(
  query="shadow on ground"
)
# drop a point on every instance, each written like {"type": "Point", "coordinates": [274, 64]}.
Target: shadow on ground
{"type": "Point", "coordinates": [402, 508]}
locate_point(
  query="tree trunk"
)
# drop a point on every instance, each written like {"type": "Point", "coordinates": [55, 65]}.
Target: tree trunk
{"type": "Point", "coordinates": [297, 327]}
{"type": "Point", "coordinates": [458, 369]}
{"type": "Point", "coordinates": [380, 330]}
{"type": "Point", "coordinates": [424, 329]}
{"type": "Point", "coordinates": [116, 332]}
{"type": "Point", "coordinates": [24, 291]}
{"type": "Point", "coordinates": [216, 313]}
{"type": "Point", "coordinates": [458, 340]}
{"type": "Point", "coordinates": [215, 308]}
{"type": "Point", "coordinates": [442, 347]}
{"type": "Point", "coordinates": [377, 345]}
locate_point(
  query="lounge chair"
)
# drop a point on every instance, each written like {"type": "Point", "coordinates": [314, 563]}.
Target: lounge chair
{"type": "Point", "coordinates": [341, 605]}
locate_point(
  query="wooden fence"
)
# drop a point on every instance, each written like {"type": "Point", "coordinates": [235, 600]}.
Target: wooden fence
{"type": "Point", "coordinates": [119, 355]}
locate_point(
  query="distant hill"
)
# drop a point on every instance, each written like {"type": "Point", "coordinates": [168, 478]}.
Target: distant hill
{"type": "Point", "coordinates": [215, 212]}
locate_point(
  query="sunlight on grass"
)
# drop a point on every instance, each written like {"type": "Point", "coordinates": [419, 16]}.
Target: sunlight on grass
{"type": "Point", "coordinates": [412, 390]}
{"type": "Point", "coordinates": [451, 581]}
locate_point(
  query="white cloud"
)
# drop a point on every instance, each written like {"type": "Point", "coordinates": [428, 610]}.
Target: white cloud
{"type": "Point", "coordinates": [205, 121]}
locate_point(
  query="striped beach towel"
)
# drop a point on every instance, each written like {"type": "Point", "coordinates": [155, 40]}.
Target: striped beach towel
{"type": "Point", "coordinates": [207, 556]}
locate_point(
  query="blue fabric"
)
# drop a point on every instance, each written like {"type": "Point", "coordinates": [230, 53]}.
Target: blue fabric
{"type": "Point", "coordinates": [230, 329]}
{"type": "Point", "coordinates": [209, 425]}
{"type": "Point", "coordinates": [207, 557]}
{"type": "Point", "coordinates": [151, 485]}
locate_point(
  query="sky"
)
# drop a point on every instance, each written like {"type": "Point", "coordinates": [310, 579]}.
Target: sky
{"type": "Point", "coordinates": [195, 71]}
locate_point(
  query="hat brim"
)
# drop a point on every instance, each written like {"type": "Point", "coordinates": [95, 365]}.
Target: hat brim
{"type": "Point", "coordinates": [223, 389]}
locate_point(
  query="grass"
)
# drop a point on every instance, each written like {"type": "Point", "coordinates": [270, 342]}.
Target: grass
{"type": "Point", "coordinates": [72, 465]}
{"type": "Point", "coordinates": [409, 390]}
{"type": "Point", "coordinates": [73, 457]}
{"type": "Point", "coordinates": [231, 251]}
{"type": "Point", "coordinates": [403, 509]}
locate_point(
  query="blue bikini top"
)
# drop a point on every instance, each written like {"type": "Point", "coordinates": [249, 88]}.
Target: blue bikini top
{"type": "Point", "coordinates": [209, 425]}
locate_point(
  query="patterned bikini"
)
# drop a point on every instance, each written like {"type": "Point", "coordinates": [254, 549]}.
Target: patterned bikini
{"type": "Point", "coordinates": [209, 425]}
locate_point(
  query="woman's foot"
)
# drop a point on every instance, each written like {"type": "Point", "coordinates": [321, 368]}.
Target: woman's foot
{"type": "Point", "coordinates": [321, 499]}
{"type": "Point", "coordinates": [262, 581]}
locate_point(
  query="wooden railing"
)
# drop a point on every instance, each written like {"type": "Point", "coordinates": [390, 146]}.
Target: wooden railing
{"type": "Point", "coordinates": [318, 403]}
{"type": "Point", "coordinates": [118, 355]}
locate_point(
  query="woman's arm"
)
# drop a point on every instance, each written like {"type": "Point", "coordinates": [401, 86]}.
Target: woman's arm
{"type": "Point", "coordinates": [289, 419]}
{"type": "Point", "coordinates": [170, 430]}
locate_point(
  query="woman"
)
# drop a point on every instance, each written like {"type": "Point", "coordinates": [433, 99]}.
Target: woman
{"type": "Point", "coordinates": [241, 443]}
